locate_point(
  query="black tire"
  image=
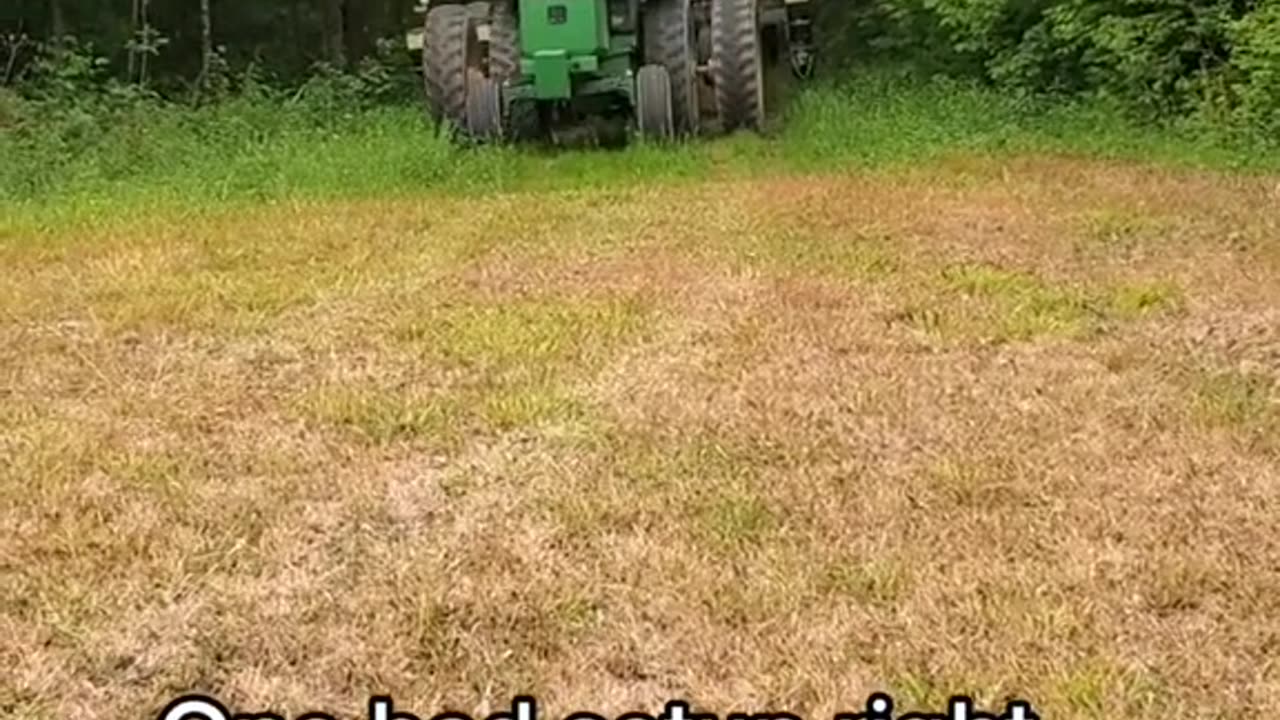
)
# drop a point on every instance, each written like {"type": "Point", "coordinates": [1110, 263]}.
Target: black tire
{"type": "Point", "coordinates": [484, 108]}
{"type": "Point", "coordinates": [504, 43]}
{"type": "Point", "coordinates": [653, 103]}
{"type": "Point", "coordinates": [738, 64]}
{"type": "Point", "coordinates": [671, 41]}
{"type": "Point", "coordinates": [522, 121]}
{"type": "Point", "coordinates": [452, 49]}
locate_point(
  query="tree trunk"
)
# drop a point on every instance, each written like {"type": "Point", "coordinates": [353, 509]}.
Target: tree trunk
{"type": "Point", "coordinates": [206, 45]}
{"type": "Point", "coordinates": [356, 30]}
{"type": "Point", "coordinates": [335, 33]}
{"type": "Point", "coordinates": [144, 72]}
{"type": "Point", "coordinates": [135, 14]}
{"type": "Point", "coordinates": [367, 23]}
{"type": "Point", "coordinates": [57, 20]}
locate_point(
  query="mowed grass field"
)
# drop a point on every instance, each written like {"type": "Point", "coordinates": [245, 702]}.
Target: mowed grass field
{"type": "Point", "coordinates": [1003, 426]}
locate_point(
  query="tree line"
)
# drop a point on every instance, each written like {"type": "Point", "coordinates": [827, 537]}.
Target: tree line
{"type": "Point", "coordinates": [1165, 57]}
{"type": "Point", "coordinates": [177, 44]}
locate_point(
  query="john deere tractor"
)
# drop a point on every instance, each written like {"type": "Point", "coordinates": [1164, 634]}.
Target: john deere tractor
{"type": "Point", "coordinates": [556, 69]}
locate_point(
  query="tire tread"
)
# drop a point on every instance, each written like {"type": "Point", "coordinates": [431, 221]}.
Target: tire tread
{"type": "Point", "coordinates": [444, 61]}
{"type": "Point", "coordinates": [737, 68]}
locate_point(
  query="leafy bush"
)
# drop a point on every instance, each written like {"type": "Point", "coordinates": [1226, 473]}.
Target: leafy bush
{"type": "Point", "coordinates": [64, 71]}
{"type": "Point", "coordinates": [1256, 58]}
{"type": "Point", "coordinates": [1163, 57]}
{"type": "Point", "coordinates": [13, 110]}
{"type": "Point", "coordinates": [1153, 53]}
{"type": "Point", "coordinates": [71, 125]}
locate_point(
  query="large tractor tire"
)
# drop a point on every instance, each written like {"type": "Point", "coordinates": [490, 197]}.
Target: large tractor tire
{"type": "Point", "coordinates": [671, 40]}
{"type": "Point", "coordinates": [738, 64]}
{"type": "Point", "coordinates": [654, 103]}
{"type": "Point", "coordinates": [452, 50]}
{"type": "Point", "coordinates": [504, 67]}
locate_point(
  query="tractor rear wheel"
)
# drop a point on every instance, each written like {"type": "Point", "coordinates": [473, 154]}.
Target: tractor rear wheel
{"type": "Point", "coordinates": [452, 50]}
{"type": "Point", "coordinates": [522, 122]}
{"type": "Point", "coordinates": [653, 103]}
{"type": "Point", "coordinates": [671, 41]}
{"type": "Point", "coordinates": [738, 63]}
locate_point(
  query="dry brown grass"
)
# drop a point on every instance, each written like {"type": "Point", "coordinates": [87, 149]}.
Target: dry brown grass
{"type": "Point", "coordinates": [1011, 429]}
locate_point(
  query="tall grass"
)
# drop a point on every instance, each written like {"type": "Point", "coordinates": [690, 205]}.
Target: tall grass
{"type": "Point", "coordinates": [246, 150]}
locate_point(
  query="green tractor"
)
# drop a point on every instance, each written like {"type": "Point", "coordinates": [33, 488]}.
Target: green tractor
{"type": "Point", "coordinates": [599, 69]}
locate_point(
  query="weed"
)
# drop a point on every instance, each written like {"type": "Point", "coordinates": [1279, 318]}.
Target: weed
{"type": "Point", "coordinates": [1003, 305]}
{"type": "Point", "coordinates": [1020, 306]}
{"type": "Point", "coordinates": [529, 333]}
{"type": "Point", "coordinates": [1118, 231]}
{"type": "Point", "coordinates": [874, 581]}
{"type": "Point", "coordinates": [991, 482]}
{"type": "Point", "coordinates": [1084, 690]}
{"type": "Point", "coordinates": [849, 257]}
{"type": "Point", "coordinates": [384, 415]}
{"type": "Point", "coordinates": [524, 406]}
{"type": "Point", "coordinates": [1235, 399]}
{"type": "Point", "coordinates": [1139, 299]}
{"type": "Point", "coordinates": [738, 518]}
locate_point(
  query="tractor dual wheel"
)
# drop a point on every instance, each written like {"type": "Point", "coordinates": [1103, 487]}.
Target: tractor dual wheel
{"type": "Point", "coordinates": [654, 103]}
{"type": "Point", "coordinates": [452, 51]}
{"type": "Point", "coordinates": [484, 108]}
{"type": "Point", "coordinates": [463, 77]}
{"type": "Point", "coordinates": [671, 40]}
{"type": "Point", "coordinates": [504, 68]}
{"type": "Point", "coordinates": [738, 63]}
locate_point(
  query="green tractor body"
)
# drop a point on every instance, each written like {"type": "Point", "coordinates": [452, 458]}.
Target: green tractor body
{"type": "Point", "coordinates": [524, 69]}
{"type": "Point", "coordinates": [568, 50]}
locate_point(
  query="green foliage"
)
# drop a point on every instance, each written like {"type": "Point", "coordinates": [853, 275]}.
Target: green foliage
{"type": "Point", "coordinates": [1256, 59]}
{"type": "Point", "coordinates": [70, 124]}
{"type": "Point", "coordinates": [285, 36]}
{"type": "Point", "coordinates": [381, 79]}
{"type": "Point", "coordinates": [1152, 53]}
{"type": "Point", "coordinates": [64, 70]}
{"type": "Point", "coordinates": [1213, 59]}
{"type": "Point", "coordinates": [1160, 57]}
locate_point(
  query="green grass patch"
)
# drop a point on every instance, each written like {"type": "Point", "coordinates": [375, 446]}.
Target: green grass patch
{"type": "Point", "coordinates": [504, 366]}
{"type": "Point", "coordinates": [873, 581]}
{"type": "Point", "coordinates": [1138, 299]}
{"type": "Point", "coordinates": [527, 337]}
{"type": "Point", "coordinates": [1018, 306]}
{"type": "Point", "coordinates": [975, 484]}
{"type": "Point", "coordinates": [384, 415]}
{"type": "Point", "coordinates": [1119, 230]}
{"type": "Point", "coordinates": [710, 485]}
{"type": "Point", "coordinates": [258, 151]}
{"type": "Point", "coordinates": [1237, 399]}
{"type": "Point", "coordinates": [736, 518]}
{"type": "Point", "coordinates": [995, 304]}
{"type": "Point", "coordinates": [845, 256]}
{"type": "Point", "coordinates": [529, 405]}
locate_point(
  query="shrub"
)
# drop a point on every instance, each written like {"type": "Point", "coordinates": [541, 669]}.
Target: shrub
{"type": "Point", "coordinates": [1164, 57]}
{"type": "Point", "coordinates": [1256, 58]}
